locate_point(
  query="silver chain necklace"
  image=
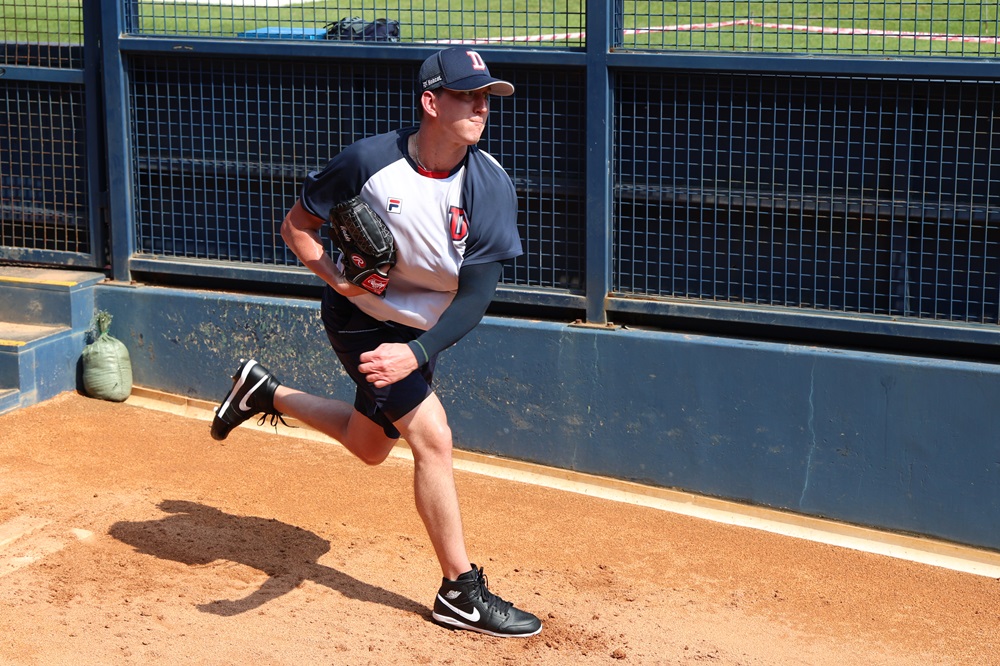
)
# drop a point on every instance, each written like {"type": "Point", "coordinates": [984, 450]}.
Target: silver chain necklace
{"type": "Point", "coordinates": [414, 153]}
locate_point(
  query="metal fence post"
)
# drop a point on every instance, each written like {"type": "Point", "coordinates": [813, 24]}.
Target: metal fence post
{"type": "Point", "coordinates": [602, 19]}
{"type": "Point", "coordinates": [119, 150]}
{"type": "Point", "coordinates": [96, 158]}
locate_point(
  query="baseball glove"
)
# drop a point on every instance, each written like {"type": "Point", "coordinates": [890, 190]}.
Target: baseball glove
{"type": "Point", "coordinates": [366, 243]}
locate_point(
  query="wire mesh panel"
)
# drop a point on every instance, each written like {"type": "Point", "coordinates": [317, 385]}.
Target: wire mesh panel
{"type": "Point", "coordinates": [945, 27]}
{"type": "Point", "coordinates": [501, 21]}
{"type": "Point", "coordinates": [43, 186]}
{"type": "Point", "coordinates": [864, 196]}
{"type": "Point", "coordinates": [44, 180]}
{"type": "Point", "coordinates": [221, 148]}
{"type": "Point", "coordinates": [540, 140]}
{"type": "Point", "coordinates": [42, 33]}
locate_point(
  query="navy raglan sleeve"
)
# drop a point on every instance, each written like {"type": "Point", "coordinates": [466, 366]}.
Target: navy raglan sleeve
{"type": "Point", "coordinates": [490, 201]}
{"type": "Point", "coordinates": [491, 204]}
{"type": "Point", "coordinates": [346, 174]}
{"type": "Point", "coordinates": [336, 182]}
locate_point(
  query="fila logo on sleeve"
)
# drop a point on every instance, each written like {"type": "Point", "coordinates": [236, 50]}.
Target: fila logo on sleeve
{"type": "Point", "coordinates": [394, 205]}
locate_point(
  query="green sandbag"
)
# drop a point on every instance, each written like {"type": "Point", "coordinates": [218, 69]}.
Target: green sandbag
{"type": "Point", "coordinates": [107, 369]}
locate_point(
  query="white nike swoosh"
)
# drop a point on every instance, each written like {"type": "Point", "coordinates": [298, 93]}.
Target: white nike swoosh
{"type": "Point", "coordinates": [471, 617]}
{"type": "Point", "coordinates": [236, 387]}
{"type": "Point", "coordinates": [243, 403]}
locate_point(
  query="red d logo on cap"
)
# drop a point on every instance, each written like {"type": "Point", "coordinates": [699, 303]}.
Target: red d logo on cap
{"type": "Point", "coordinates": [477, 60]}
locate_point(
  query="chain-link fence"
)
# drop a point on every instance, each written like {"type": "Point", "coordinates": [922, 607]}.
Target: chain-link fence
{"type": "Point", "coordinates": [837, 192]}
{"type": "Point", "coordinates": [955, 28]}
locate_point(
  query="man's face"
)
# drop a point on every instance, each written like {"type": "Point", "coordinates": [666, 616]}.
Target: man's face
{"type": "Point", "coordinates": [465, 113]}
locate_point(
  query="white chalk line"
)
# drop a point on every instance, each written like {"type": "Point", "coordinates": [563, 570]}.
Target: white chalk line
{"type": "Point", "coordinates": [915, 549]}
{"type": "Point", "coordinates": [686, 27]}
{"type": "Point", "coordinates": [234, 3]}
{"type": "Point", "coordinates": [695, 27]}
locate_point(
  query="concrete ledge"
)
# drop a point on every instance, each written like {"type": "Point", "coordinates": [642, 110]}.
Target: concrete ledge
{"type": "Point", "coordinates": [894, 443]}
{"type": "Point", "coordinates": [42, 296]}
{"type": "Point", "coordinates": [23, 335]}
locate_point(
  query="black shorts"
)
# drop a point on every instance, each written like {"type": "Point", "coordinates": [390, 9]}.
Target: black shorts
{"type": "Point", "coordinates": [352, 333]}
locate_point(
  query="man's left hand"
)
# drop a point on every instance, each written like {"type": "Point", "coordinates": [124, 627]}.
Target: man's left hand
{"type": "Point", "coordinates": [387, 364]}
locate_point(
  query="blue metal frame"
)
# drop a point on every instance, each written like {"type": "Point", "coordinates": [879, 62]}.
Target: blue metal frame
{"type": "Point", "coordinates": [601, 28]}
{"type": "Point", "coordinates": [599, 65]}
{"type": "Point", "coordinates": [903, 67]}
{"type": "Point", "coordinates": [774, 404]}
{"type": "Point", "coordinates": [95, 136]}
{"type": "Point", "coordinates": [86, 81]}
{"type": "Point", "coordinates": [122, 236]}
{"type": "Point", "coordinates": [44, 74]}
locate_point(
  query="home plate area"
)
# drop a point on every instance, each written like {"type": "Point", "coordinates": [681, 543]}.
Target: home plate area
{"type": "Point", "coordinates": [24, 540]}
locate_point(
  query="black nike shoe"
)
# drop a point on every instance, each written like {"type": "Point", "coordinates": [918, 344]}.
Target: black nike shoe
{"type": "Point", "coordinates": [467, 603]}
{"type": "Point", "coordinates": [252, 393]}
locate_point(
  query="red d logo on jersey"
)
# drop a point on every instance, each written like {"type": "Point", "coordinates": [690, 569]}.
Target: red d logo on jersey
{"type": "Point", "coordinates": [459, 224]}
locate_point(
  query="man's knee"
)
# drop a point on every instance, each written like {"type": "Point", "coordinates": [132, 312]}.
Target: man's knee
{"type": "Point", "coordinates": [426, 430]}
{"type": "Point", "coordinates": [433, 442]}
{"type": "Point", "coordinates": [367, 441]}
{"type": "Point", "coordinates": [374, 457]}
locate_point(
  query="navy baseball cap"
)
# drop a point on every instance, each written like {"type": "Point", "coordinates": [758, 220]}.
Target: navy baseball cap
{"type": "Point", "coordinates": [460, 68]}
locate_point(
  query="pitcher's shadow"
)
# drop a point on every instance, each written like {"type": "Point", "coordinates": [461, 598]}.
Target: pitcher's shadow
{"type": "Point", "coordinates": [197, 534]}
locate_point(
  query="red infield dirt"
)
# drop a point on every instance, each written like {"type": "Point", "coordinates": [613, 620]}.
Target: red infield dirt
{"type": "Point", "coordinates": [128, 536]}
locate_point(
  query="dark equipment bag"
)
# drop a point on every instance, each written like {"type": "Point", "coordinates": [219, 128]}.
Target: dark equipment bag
{"type": "Point", "coordinates": [356, 29]}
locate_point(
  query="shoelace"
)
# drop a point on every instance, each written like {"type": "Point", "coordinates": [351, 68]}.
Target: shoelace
{"type": "Point", "coordinates": [275, 417]}
{"type": "Point", "coordinates": [491, 600]}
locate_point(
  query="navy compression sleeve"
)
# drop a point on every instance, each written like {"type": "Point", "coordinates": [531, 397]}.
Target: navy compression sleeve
{"type": "Point", "coordinates": [476, 286]}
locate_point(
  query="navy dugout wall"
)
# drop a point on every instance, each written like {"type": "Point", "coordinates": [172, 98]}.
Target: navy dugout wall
{"type": "Point", "coordinates": [760, 263]}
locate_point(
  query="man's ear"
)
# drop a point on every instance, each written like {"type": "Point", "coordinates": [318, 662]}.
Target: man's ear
{"type": "Point", "coordinates": [428, 100]}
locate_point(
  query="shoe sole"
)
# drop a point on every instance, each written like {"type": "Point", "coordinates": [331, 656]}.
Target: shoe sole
{"type": "Point", "coordinates": [239, 380]}
{"type": "Point", "coordinates": [452, 623]}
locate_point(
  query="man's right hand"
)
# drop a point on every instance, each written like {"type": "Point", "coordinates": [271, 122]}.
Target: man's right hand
{"type": "Point", "coordinates": [300, 231]}
{"type": "Point", "coordinates": [345, 287]}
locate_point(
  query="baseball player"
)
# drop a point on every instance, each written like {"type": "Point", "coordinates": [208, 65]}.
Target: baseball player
{"type": "Point", "coordinates": [451, 211]}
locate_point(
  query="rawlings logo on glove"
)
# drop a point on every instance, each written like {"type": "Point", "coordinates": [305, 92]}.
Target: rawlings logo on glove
{"type": "Point", "coordinates": [366, 243]}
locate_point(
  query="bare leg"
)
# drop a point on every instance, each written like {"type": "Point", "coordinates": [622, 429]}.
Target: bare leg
{"type": "Point", "coordinates": [426, 431]}
{"type": "Point", "coordinates": [339, 420]}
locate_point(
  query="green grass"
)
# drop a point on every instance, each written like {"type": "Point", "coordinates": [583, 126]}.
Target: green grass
{"type": "Point", "coordinates": [41, 21]}
{"type": "Point", "coordinates": [419, 21]}
{"type": "Point", "coordinates": [422, 21]}
{"type": "Point", "coordinates": [959, 17]}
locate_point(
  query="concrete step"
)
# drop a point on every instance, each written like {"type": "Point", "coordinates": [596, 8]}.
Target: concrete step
{"type": "Point", "coordinates": [10, 399]}
{"type": "Point", "coordinates": [38, 363]}
{"type": "Point", "coordinates": [47, 297]}
{"type": "Point", "coordinates": [18, 343]}
{"type": "Point", "coordinates": [13, 335]}
{"type": "Point", "coordinates": [45, 318]}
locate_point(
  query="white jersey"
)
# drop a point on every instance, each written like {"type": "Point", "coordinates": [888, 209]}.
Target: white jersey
{"type": "Point", "coordinates": [439, 221]}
